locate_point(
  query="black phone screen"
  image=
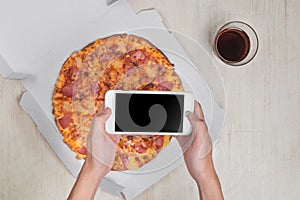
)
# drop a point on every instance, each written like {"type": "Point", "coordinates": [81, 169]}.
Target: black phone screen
{"type": "Point", "coordinates": [149, 112]}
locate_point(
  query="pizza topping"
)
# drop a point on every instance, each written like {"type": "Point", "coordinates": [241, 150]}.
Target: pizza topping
{"type": "Point", "coordinates": [138, 55]}
{"type": "Point", "coordinates": [66, 106]}
{"type": "Point", "coordinates": [130, 137]}
{"type": "Point", "coordinates": [145, 157]}
{"type": "Point", "coordinates": [104, 58]}
{"type": "Point", "coordinates": [158, 142]}
{"type": "Point", "coordinates": [113, 47]}
{"type": "Point", "coordinates": [124, 159]}
{"type": "Point", "coordinates": [86, 74]}
{"type": "Point", "coordinates": [67, 90]}
{"type": "Point", "coordinates": [82, 150]}
{"type": "Point", "coordinates": [107, 84]}
{"type": "Point", "coordinates": [140, 148]}
{"type": "Point", "coordinates": [65, 121]}
{"type": "Point", "coordinates": [148, 86]}
{"type": "Point", "coordinates": [165, 86]}
{"type": "Point", "coordinates": [78, 62]}
{"type": "Point", "coordinates": [129, 70]}
{"type": "Point", "coordinates": [72, 72]}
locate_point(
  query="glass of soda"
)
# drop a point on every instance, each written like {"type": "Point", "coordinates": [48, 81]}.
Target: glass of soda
{"type": "Point", "coordinates": [236, 43]}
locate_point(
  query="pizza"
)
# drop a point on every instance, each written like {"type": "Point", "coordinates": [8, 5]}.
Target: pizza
{"type": "Point", "coordinates": [123, 62]}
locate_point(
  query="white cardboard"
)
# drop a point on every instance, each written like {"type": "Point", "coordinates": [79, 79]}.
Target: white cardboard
{"type": "Point", "coordinates": [42, 62]}
{"type": "Point", "coordinates": [43, 26]}
{"type": "Point", "coordinates": [109, 2]}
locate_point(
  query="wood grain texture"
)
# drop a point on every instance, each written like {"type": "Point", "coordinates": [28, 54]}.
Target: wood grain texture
{"type": "Point", "coordinates": [257, 156]}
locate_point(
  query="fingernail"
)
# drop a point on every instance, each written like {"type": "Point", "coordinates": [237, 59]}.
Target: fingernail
{"type": "Point", "coordinates": [187, 113]}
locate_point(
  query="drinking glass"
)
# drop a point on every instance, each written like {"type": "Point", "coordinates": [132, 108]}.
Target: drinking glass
{"type": "Point", "coordinates": [236, 43]}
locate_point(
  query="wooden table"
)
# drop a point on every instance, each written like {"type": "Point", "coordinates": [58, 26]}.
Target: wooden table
{"type": "Point", "coordinates": [258, 153]}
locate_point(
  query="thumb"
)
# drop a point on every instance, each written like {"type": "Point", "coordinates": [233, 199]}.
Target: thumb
{"type": "Point", "coordinates": [103, 115]}
{"type": "Point", "coordinates": [193, 118]}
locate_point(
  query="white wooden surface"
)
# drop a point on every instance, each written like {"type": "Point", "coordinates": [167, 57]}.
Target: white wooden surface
{"type": "Point", "coordinates": [258, 154]}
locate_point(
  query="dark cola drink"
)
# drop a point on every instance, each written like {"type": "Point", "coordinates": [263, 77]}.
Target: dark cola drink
{"type": "Point", "coordinates": [232, 45]}
{"type": "Point", "coordinates": [236, 43]}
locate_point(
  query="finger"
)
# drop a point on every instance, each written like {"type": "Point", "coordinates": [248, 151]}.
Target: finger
{"type": "Point", "coordinates": [101, 108]}
{"type": "Point", "coordinates": [98, 123]}
{"type": "Point", "coordinates": [104, 115]}
{"type": "Point", "coordinates": [198, 110]}
{"type": "Point", "coordinates": [197, 115]}
{"type": "Point", "coordinates": [113, 139]}
{"type": "Point", "coordinates": [180, 139]}
{"type": "Point", "coordinates": [194, 120]}
{"type": "Point", "coordinates": [185, 141]}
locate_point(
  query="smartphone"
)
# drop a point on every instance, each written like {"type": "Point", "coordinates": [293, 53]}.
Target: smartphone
{"type": "Point", "coordinates": [149, 112]}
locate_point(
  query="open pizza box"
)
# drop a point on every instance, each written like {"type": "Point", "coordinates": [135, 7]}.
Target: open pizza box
{"type": "Point", "coordinates": [38, 37]}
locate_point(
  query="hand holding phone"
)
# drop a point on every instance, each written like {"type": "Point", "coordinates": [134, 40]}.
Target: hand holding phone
{"type": "Point", "coordinates": [149, 112]}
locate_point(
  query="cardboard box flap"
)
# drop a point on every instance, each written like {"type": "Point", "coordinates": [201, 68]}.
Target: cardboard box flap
{"type": "Point", "coordinates": [109, 2]}
{"type": "Point", "coordinates": [7, 72]}
{"type": "Point", "coordinates": [111, 187]}
{"type": "Point", "coordinates": [33, 32]}
{"type": "Point", "coordinates": [49, 132]}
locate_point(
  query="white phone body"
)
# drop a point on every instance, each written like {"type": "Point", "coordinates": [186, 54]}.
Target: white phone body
{"type": "Point", "coordinates": [181, 127]}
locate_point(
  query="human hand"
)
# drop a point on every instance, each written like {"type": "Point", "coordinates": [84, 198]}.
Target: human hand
{"type": "Point", "coordinates": [101, 149]}
{"type": "Point", "coordinates": [101, 146]}
{"type": "Point", "coordinates": [197, 146]}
